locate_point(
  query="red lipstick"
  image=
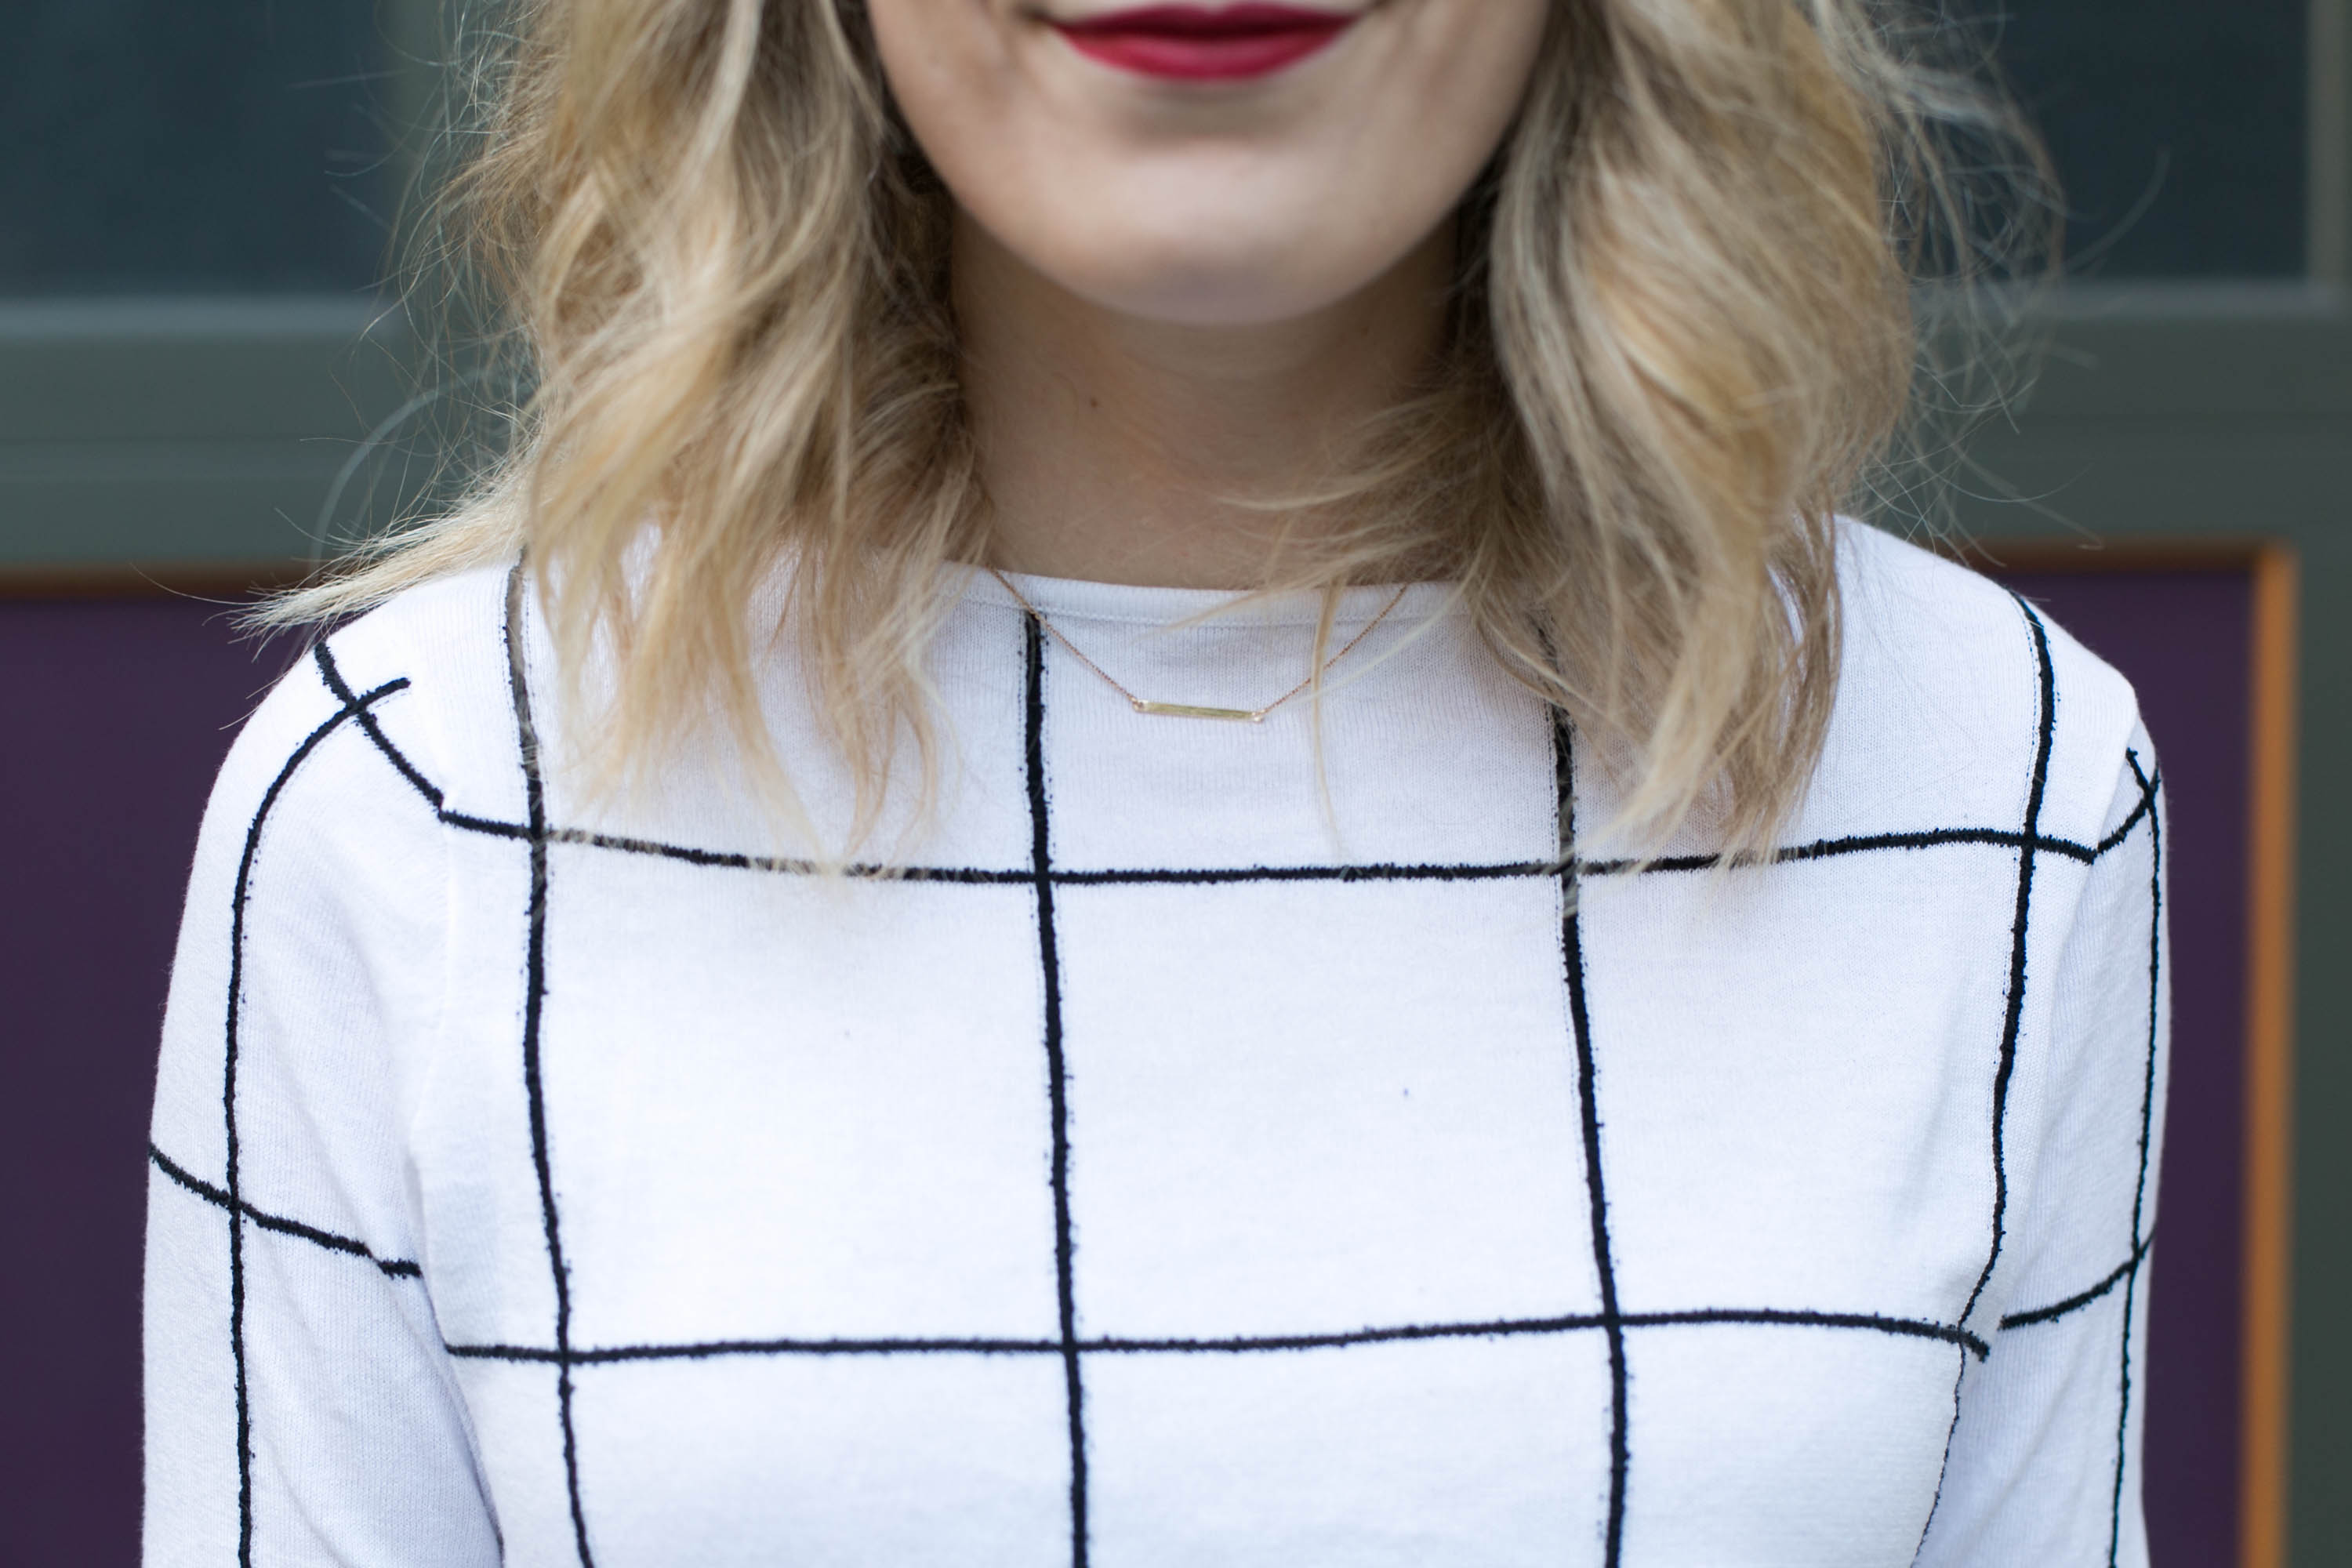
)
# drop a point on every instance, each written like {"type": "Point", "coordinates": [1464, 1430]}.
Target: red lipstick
{"type": "Point", "coordinates": [1199, 43]}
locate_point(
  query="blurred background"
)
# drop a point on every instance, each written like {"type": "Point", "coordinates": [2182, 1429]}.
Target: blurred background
{"type": "Point", "coordinates": [204, 384]}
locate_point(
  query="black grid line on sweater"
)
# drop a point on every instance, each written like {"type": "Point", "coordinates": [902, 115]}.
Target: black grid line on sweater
{"type": "Point", "coordinates": [1580, 1020]}
{"type": "Point", "coordinates": [1231, 1345]}
{"type": "Point", "coordinates": [1906, 1328]}
{"type": "Point", "coordinates": [1069, 1345]}
{"type": "Point", "coordinates": [2005, 1067]}
{"type": "Point", "coordinates": [2077, 1301]}
{"type": "Point", "coordinates": [391, 1267]}
{"type": "Point", "coordinates": [534, 1013]}
{"type": "Point", "coordinates": [1234, 1344]}
{"type": "Point", "coordinates": [233, 1197]}
{"type": "Point", "coordinates": [1057, 1075]}
{"type": "Point", "coordinates": [2019, 930]}
{"type": "Point", "coordinates": [2146, 1130]}
{"type": "Point", "coordinates": [1217, 875]}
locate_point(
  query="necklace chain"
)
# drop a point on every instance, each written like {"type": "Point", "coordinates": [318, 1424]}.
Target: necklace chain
{"type": "Point", "coordinates": [1187, 710]}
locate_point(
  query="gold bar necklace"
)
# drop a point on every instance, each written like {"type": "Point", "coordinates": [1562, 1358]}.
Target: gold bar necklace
{"type": "Point", "coordinates": [1191, 709]}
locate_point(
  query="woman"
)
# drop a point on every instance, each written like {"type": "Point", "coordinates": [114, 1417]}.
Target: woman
{"type": "Point", "coordinates": [1155, 820]}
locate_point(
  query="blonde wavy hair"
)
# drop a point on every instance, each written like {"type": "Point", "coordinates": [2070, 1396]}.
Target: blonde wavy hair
{"type": "Point", "coordinates": [1682, 339]}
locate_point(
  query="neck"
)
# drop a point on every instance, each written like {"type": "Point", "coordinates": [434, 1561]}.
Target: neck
{"type": "Point", "coordinates": [1120, 449]}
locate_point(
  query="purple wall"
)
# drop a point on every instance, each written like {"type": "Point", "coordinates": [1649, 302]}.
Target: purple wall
{"type": "Point", "coordinates": [119, 711]}
{"type": "Point", "coordinates": [117, 714]}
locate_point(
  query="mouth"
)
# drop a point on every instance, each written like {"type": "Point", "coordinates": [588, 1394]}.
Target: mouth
{"type": "Point", "coordinates": [1199, 43]}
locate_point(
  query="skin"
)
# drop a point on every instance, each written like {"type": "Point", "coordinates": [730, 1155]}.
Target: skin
{"type": "Point", "coordinates": [1175, 295]}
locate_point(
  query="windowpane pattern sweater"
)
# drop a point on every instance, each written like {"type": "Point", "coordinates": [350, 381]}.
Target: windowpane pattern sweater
{"type": "Point", "coordinates": [1181, 1164]}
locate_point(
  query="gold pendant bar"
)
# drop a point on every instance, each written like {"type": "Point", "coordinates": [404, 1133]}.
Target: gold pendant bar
{"type": "Point", "coordinates": [1186, 711]}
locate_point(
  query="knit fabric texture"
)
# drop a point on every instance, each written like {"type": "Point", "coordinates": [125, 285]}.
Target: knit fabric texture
{"type": "Point", "coordinates": [1312, 1143]}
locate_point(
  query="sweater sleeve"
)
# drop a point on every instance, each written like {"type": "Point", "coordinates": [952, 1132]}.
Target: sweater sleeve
{"type": "Point", "coordinates": [300, 1407]}
{"type": "Point", "coordinates": [2044, 1461]}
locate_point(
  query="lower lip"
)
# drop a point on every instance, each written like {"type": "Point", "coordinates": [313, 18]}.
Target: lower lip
{"type": "Point", "coordinates": [1183, 44]}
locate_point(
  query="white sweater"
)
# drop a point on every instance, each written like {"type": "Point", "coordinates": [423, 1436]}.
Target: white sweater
{"type": "Point", "coordinates": [1168, 1171]}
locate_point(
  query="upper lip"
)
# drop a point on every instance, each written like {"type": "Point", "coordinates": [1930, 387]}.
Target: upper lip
{"type": "Point", "coordinates": [1206, 21]}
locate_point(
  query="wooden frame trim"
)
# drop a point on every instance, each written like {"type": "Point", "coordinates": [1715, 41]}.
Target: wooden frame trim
{"type": "Point", "coordinates": [2192, 554]}
{"type": "Point", "coordinates": [2264, 1383]}
{"type": "Point", "coordinates": [2266, 1222]}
